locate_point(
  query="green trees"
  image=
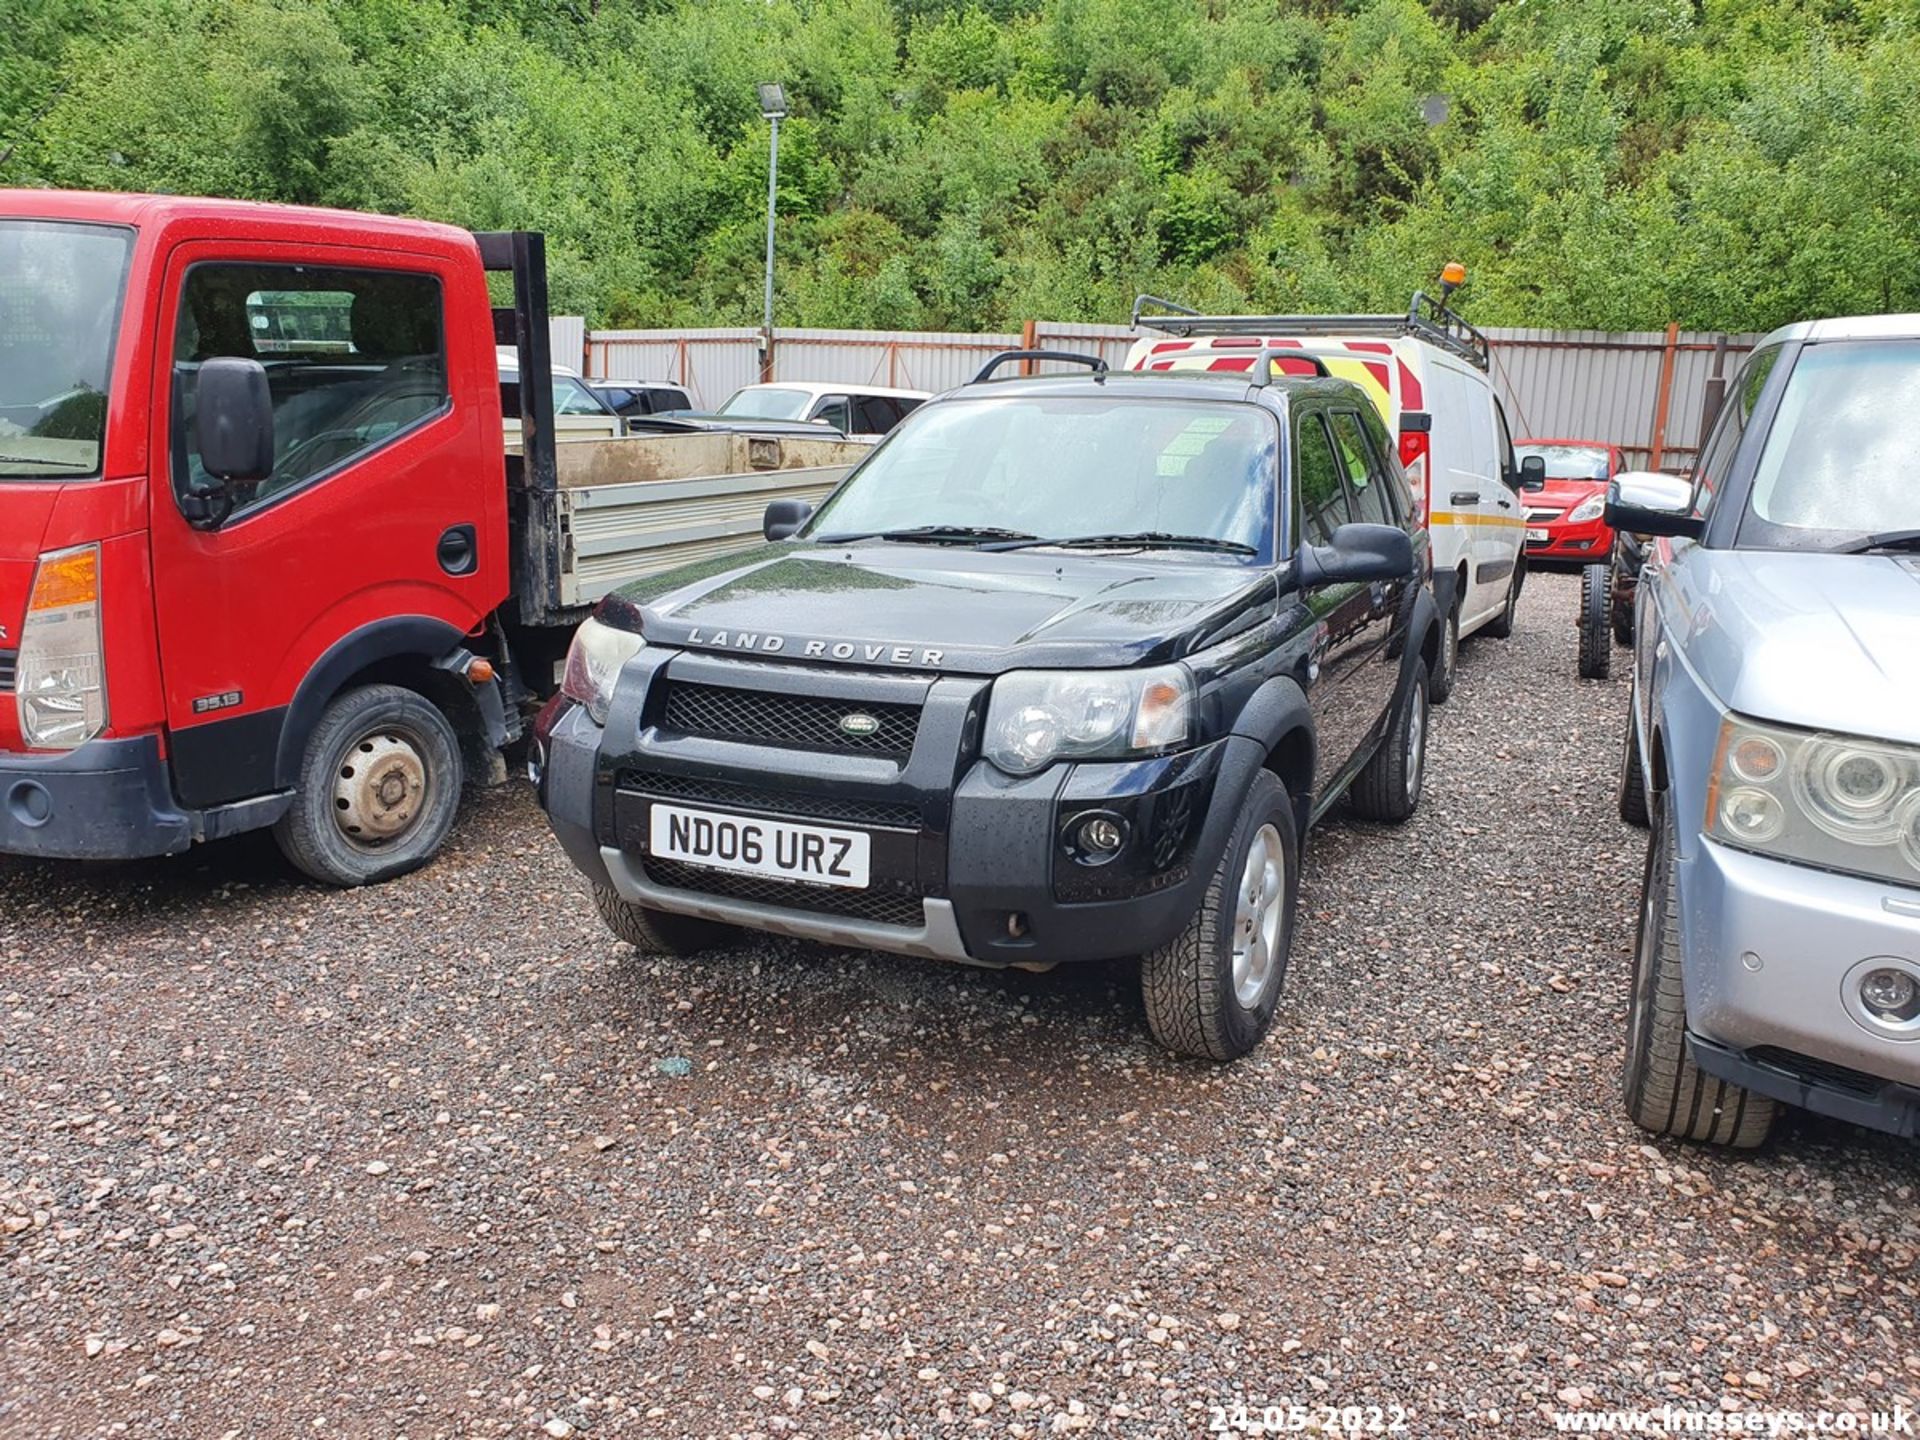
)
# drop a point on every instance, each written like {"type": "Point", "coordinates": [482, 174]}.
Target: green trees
{"type": "Point", "coordinates": [971, 163]}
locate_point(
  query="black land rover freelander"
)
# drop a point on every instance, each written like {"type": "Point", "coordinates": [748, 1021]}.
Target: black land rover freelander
{"type": "Point", "coordinates": [1062, 671]}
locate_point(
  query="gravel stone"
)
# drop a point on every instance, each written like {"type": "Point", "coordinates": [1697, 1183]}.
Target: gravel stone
{"type": "Point", "coordinates": [855, 1195]}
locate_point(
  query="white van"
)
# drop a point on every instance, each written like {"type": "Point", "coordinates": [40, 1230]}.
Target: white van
{"type": "Point", "coordinates": [1428, 372]}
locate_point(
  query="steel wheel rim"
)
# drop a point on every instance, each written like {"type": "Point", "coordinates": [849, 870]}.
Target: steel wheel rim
{"type": "Point", "coordinates": [382, 786]}
{"type": "Point", "coordinates": [1258, 904]}
{"type": "Point", "coordinates": [1416, 742]}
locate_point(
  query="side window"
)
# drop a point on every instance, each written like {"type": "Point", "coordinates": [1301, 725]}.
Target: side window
{"type": "Point", "coordinates": [671, 400]}
{"type": "Point", "coordinates": [570, 397]}
{"type": "Point", "coordinates": [1323, 499]}
{"type": "Point", "coordinates": [837, 411]}
{"type": "Point", "coordinates": [353, 358]}
{"type": "Point", "coordinates": [1365, 482]}
{"type": "Point", "coordinates": [1716, 458]}
{"type": "Point", "coordinates": [1503, 438]}
{"type": "Point", "coordinates": [872, 415]}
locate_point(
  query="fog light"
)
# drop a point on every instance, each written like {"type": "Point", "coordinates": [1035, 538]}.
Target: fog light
{"type": "Point", "coordinates": [1101, 835]}
{"type": "Point", "coordinates": [1890, 994]}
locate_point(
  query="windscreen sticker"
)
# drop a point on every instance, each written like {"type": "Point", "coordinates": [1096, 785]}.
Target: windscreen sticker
{"type": "Point", "coordinates": [1199, 433]}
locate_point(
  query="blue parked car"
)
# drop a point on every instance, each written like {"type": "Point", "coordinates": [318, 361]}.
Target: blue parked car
{"type": "Point", "coordinates": [1774, 747]}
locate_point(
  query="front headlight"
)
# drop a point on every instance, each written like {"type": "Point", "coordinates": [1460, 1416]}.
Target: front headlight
{"type": "Point", "coordinates": [1039, 716]}
{"type": "Point", "coordinates": [594, 662]}
{"type": "Point", "coordinates": [1588, 509]}
{"type": "Point", "coordinates": [1829, 800]}
{"type": "Point", "coordinates": [60, 681]}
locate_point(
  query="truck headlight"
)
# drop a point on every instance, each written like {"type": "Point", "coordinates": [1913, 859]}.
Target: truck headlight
{"type": "Point", "coordinates": [60, 684]}
{"type": "Point", "coordinates": [1588, 509]}
{"type": "Point", "coordinates": [594, 662]}
{"type": "Point", "coordinates": [1829, 800]}
{"type": "Point", "coordinates": [1039, 716]}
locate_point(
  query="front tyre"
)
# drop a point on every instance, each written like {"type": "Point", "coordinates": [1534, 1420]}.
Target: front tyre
{"type": "Point", "coordinates": [1501, 626]}
{"type": "Point", "coordinates": [1632, 790]}
{"type": "Point", "coordinates": [1389, 788]}
{"type": "Point", "coordinates": [377, 791]}
{"type": "Point", "coordinates": [1596, 628]}
{"type": "Point", "coordinates": [1444, 677]}
{"type": "Point", "coordinates": [1210, 992]}
{"type": "Point", "coordinates": [659, 932]}
{"type": "Point", "coordinates": [1664, 1090]}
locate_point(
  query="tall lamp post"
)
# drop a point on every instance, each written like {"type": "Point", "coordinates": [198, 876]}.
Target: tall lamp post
{"type": "Point", "coordinates": [773, 106]}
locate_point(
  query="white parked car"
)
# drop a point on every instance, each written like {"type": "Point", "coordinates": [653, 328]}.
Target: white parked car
{"type": "Point", "coordinates": [578, 413]}
{"type": "Point", "coordinates": [860, 412]}
{"type": "Point", "coordinates": [1428, 373]}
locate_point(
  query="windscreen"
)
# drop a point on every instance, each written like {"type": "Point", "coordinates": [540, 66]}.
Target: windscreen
{"type": "Point", "coordinates": [1838, 463]}
{"type": "Point", "coordinates": [758, 402]}
{"type": "Point", "coordinates": [1064, 466]}
{"type": "Point", "coordinates": [60, 292]}
{"type": "Point", "coordinates": [1568, 462]}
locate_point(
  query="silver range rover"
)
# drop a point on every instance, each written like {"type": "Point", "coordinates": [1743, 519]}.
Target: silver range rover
{"type": "Point", "coordinates": [1774, 747]}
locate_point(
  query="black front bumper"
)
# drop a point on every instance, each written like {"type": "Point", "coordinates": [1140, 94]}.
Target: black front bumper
{"type": "Point", "coordinates": [1815, 1085]}
{"type": "Point", "coordinates": [107, 800]}
{"type": "Point", "coordinates": [984, 862]}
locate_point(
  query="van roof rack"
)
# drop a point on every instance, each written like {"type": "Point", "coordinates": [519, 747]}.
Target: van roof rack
{"type": "Point", "coordinates": [1426, 319]}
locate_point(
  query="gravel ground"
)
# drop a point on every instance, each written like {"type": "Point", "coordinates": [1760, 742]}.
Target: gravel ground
{"type": "Point", "coordinates": [442, 1158]}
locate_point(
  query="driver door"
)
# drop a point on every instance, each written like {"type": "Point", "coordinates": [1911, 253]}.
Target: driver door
{"type": "Point", "coordinates": [347, 531]}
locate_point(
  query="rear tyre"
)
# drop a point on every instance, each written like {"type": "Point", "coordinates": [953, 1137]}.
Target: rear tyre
{"type": "Point", "coordinates": [659, 932]}
{"type": "Point", "coordinates": [1443, 678]}
{"type": "Point", "coordinates": [1664, 1090]}
{"type": "Point", "coordinates": [1211, 991]}
{"type": "Point", "coordinates": [1501, 626]}
{"type": "Point", "coordinates": [1632, 794]}
{"type": "Point", "coordinates": [1389, 787]}
{"type": "Point", "coordinates": [1596, 639]}
{"type": "Point", "coordinates": [377, 791]}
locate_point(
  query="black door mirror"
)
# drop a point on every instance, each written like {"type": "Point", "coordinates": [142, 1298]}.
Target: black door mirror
{"type": "Point", "coordinates": [1533, 473]}
{"type": "Point", "coordinates": [1647, 502]}
{"type": "Point", "coordinates": [233, 415]}
{"type": "Point", "coordinates": [784, 517]}
{"type": "Point", "coordinates": [1359, 553]}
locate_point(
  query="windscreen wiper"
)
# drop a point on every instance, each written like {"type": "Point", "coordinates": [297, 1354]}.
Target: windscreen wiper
{"type": "Point", "coordinates": [1138, 540]}
{"type": "Point", "coordinates": [932, 535]}
{"type": "Point", "coordinates": [43, 460]}
{"type": "Point", "coordinates": [1886, 540]}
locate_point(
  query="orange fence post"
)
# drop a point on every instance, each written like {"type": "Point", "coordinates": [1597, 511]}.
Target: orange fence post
{"type": "Point", "coordinates": [1029, 341]}
{"type": "Point", "coordinates": [1665, 403]}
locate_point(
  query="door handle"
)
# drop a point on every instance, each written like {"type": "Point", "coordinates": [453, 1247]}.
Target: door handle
{"type": "Point", "coordinates": [1465, 497]}
{"type": "Point", "coordinates": [1506, 504]}
{"type": "Point", "coordinates": [458, 551]}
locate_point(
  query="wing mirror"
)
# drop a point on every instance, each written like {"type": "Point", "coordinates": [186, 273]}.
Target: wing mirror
{"type": "Point", "coordinates": [784, 518]}
{"type": "Point", "coordinates": [233, 426]}
{"type": "Point", "coordinates": [1649, 502]}
{"type": "Point", "coordinates": [1533, 473]}
{"type": "Point", "coordinates": [1359, 553]}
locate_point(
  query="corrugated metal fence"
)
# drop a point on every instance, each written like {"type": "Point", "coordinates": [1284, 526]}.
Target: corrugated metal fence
{"type": "Point", "coordinates": [1644, 390]}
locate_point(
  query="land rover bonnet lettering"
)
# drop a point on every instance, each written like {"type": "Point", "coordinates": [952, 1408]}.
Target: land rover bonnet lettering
{"type": "Point", "coordinates": [875, 653]}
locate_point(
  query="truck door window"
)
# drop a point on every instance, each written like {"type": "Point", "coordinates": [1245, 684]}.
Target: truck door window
{"type": "Point", "coordinates": [1323, 500]}
{"type": "Point", "coordinates": [353, 359]}
{"type": "Point", "coordinates": [1364, 482]}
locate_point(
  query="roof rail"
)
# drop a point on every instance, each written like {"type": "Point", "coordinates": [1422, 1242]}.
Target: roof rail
{"type": "Point", "coordinates": [1067, 357]}
{"type": "Point", "coordinates": [1426, 319]}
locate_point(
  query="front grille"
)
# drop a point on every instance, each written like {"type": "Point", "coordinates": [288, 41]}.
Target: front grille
{"type": "Point", "coordinates": [790, 722]}
{"type": "Point", "coordinates": [732, 794]}
{"type": "Point", "coordinates": [881, 904]}
{"type": "Point", "coordinates": [9, 661]}
{"type": "Point", "coordinates": [1820, 1072]}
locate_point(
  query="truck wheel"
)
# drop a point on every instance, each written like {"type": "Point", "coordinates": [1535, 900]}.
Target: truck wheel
{"type": "Point", "coordinates": [1596, 640]}
{"type": "Point", "coordinates": [377, 791]}
{"type": "Point", "coordinates": [1664, 1090]}
{"type": "Point", "coordinates": [1389, 787]}
{"type": "Point", "coordinates": [659, 932]}
{"type": "Point", "coordinates": [1210, 992]}
{"type": "Point", "coordinates": [1443, 678]}
{"type": "Point", "coordinates": [1633, 782]}
{"type": "Point", "coordinates": [1501, 626]}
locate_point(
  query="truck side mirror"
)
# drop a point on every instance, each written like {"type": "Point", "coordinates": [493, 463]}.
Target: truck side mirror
{"type": "Point", "coordinates": [1647, 502]}
{"type": "Point", "coordinates": [233, 413]}
{"type": "Point", "coordinates": [784, 517]}
{"type": "Point", "coordinates": [1359, 553]}
{"type": "Point", "coordinates": [1533, 473]}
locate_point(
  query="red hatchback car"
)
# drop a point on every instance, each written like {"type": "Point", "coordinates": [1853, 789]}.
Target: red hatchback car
{"type": "Point", "coordinates": [1566, 520]}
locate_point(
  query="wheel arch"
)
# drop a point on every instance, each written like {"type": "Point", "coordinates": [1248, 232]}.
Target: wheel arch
{"type": "Point", "coordinates": [1280, 719]}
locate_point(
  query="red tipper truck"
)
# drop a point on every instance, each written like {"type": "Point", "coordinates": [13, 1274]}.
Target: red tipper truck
{"type": "Point", "coordinates": [265, 557]}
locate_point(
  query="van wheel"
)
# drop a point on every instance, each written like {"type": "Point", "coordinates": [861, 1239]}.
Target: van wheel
{"type": "Point", "coordinates": [1664, 1090]}
{"type": "Point", "coordinates": [1443, 678]}
{"type": "Point", "coordinates": [1389, 788]}
{"type": "Point", "coordinates": [1210, 992]}
{"type": "Point", "coordinates": [1633, 783]}
{"type": "Point", "coordinates": [1501, 626]}
{"type": "Point", "coordinates": [1596, 637]}
{"type": "Point", "coordinates": [377, 791]}
{"type": "Point", "coordinates": [659, 932]}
